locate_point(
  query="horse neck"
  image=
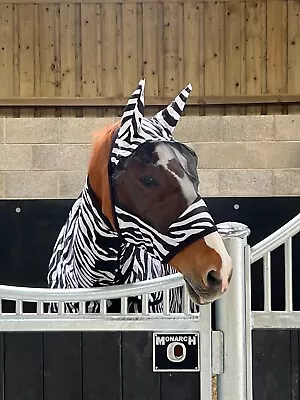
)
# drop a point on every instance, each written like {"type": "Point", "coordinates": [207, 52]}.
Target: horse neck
{"type": "Point", "coordinates": [98, 171]}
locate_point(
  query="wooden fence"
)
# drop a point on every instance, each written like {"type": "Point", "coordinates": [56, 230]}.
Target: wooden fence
{"type": "Point", "coordinates": [85, 58]}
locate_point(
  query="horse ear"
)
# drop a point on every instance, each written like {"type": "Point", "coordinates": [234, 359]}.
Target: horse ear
{"type": "Point", "coordinates": [133, 113]}
{"type": "Point", "coordinates": [169, 116]}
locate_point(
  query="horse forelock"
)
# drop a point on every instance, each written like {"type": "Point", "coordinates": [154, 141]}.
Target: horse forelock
{"type": "Point", "coordinates": [98, 168]}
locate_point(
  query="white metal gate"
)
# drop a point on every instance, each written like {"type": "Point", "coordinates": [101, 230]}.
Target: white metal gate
{"type": "Point", "coordinates": [226, 352]}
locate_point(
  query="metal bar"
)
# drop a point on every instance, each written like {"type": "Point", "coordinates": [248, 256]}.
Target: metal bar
{"type": "Point", "coordinates": [124, 306]}
{"type": "Point", "coordinates": [276, 239]}
{"type": "Point", "coordinates": [267, 281]}
{"type": "Point", "coordinates": [205, 353]}
{"type": "Point", "coordinates": [103, 307]}
{"type": "Point", "coordinates": [19, 307]}
{"type": "Point", "coordinates": [248, 321]}
{"type": "Point", "coordinates": [275, 320]}
{"type": "Point", "coordinates": [231, 319]}
{"type": "Point", "coordinates": [288, 260]}
{"type": "Point", "coordinates": [166, 302]}
{"type": "Point", "coordinates": [61, 308]}
{"type": "Point", "coordinates": [145, 304]}
{"type": "Point", "coordinates": [82, 307]}
{"type": "Point", "coordinates": [75, 322]}
{"type": "Point", "coordinates": [186, 301]}
{"type": "Point", "coordinates": [75, 295]}
{"type": "Point", "coordinates": [40, 308]}
{"type": "Point", "coordinates": [150, 100]}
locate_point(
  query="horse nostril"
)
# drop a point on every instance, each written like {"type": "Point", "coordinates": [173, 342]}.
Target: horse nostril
{"type": "Point", "coordinates": [213, 278]}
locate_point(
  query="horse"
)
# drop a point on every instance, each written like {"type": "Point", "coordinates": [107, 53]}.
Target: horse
{"type": "Point", "coordinates": [140, 215]}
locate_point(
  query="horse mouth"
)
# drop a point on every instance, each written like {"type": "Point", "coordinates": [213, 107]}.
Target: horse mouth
{"type": "Point", "coordinates": [199, 295]}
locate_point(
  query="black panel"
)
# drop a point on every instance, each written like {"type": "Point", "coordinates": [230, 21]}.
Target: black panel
{"type": "Point", "coordinates": [139, 382]}
{"type": "Point", "coordinates": [180, 385]}
{"type": "Point", "coordinates": [2, 366]}
{"type": "Point", "coordinates": [101, 365]}
{"type": "Point", "coordinates": [23, 371]}
{"type": "Point", "coordinates": [62, 366]}
{"type": "Point", "coordinates": [275, 365]}
{"type": "Point", "coordinates": [27, 239]}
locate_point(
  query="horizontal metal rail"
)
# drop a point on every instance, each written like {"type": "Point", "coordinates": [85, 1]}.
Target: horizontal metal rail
{"type": "Point", "coordinates": [90, 294]}
{"type": "Point", "coordinates": [275, 320]}
{"type": "Point", "coordinates": [276, 239]}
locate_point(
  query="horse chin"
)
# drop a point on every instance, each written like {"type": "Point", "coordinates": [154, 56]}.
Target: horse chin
{"type": "Point", "coordinates": [198, 298]}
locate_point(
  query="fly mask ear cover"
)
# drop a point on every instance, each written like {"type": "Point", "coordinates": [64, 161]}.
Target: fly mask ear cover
{"type": "Point", "coordinates": [195, 222]}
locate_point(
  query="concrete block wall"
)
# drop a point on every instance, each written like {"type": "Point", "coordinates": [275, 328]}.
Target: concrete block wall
{"type": "Point", "coordinates": [238, 155]}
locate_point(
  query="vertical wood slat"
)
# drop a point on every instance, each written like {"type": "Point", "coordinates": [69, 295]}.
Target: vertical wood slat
{"type": "Point", "coordinates": [171, 40]}
{"type": "Point", "coordinates": [214, 53]}
{"type": "Point", "coordinates": [192, 62]}
{"type": "Point", "coordinates": [48, 58]}
{"type": "Point", "coordinates": [67, 54]}
{"type": "Point", "coordinates": [130, 75]}
{"type": "Point", "coordinates": [293, 52]}
{"type": "Point", "coordinates": [254, 51]}
{"type": "Point", "coordinates": [276, 51]}
{"type": "Point", "coordinates": [6, 55]}
{"type": "Point", "coordinates": [233, 79]}
{"type": "Point", "coordinates": [150, 42]}
{"type": "Point", "coordinates": [109, 52]}
{"type": "Point", "coordinates": [27, 36]}
{"type": "Point", "coordinates": [89, 54]}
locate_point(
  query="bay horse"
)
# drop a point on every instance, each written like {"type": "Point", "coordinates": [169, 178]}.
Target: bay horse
{"type": "Point", "coordinates": [140, 215]}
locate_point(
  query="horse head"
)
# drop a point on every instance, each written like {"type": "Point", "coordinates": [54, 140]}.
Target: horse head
{"type": "Point", "coordinates": [149, 193]}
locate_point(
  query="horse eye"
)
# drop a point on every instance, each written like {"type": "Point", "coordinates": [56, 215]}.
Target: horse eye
{"type": "Point", "coordinates": [148, 181]}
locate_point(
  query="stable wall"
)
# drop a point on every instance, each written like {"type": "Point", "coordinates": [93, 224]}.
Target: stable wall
{"type": "Point", "coordinates": [251, 156]}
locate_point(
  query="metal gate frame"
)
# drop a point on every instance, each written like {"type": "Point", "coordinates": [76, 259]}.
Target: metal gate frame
{"type": "Point", "coordinates": [236, 319]}
{"type": "Point", "coordinates": [226, 352]}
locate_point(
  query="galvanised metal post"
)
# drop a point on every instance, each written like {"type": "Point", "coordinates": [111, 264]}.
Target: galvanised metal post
{"type": "Point", "coordinates": [231, 312]}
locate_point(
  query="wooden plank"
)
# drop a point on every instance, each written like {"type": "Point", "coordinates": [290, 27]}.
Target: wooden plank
{"type": "Point", "coordinates": [57, 72]}
{"type": "Point", "coordinates": [26, 49]}
{"type": "Point", "coordinates": [99, 39]}
{"type": "Point", "coordinates": [130, 76]}
{"type": "Point", "coordinates": [62, 366]}
{"type": "Point", "coordinates": [171, 41]}
{"type": "Point", "coordinates": [233, 68]}
{"type": "Point", "coordinates": [67, 54]}
{"type": "Point", "coordinates": [109, 53]}
{"type": "Point", "coordinates": [137, 367]}
{"type": "Point", "coordinates": [89, 54]}
{"type": "Point", "coordinates": [150, 42]}
{"type": "Point", "coordinates": [37, 62]}
{"type": "Point", "coordinates": [6, 55]}
{"type": "Point", "coordinates": [192, 50]}
{"type": "Point", "coordinates": [78, 56]}
{"type": "Point", "coordinates": [276, 51]}
{"type": "Point", "coordinates": [48, 60]}
{"type": "Point", "coordinates": [101, 365]}
{"type": "Point", "coordinates": [16, 53]}
{"type": "Point", "coordinates": [214, 53]}
{"type": "Point", "coordinates": [254, 51]}
{"type": "Point", "coordinates": [116, 1]}
{"type": "Point", "coordinates": [151, 101]}
{"type": "Point", "coordinates": [293, 52]}
{"type": "Point", "coordinates": [23, 366]}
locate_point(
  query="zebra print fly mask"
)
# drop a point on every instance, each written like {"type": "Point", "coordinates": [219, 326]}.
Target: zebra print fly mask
{"type": "Point", "coordinates": [136, 133]}
{"type": "Point", "coordinates": [90, 253]}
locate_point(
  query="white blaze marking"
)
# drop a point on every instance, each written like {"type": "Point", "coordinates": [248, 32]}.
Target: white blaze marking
{"type": "Point", "coordinates": [165, 155]}
{"type": "Point", "coordinates": [215, 242]}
